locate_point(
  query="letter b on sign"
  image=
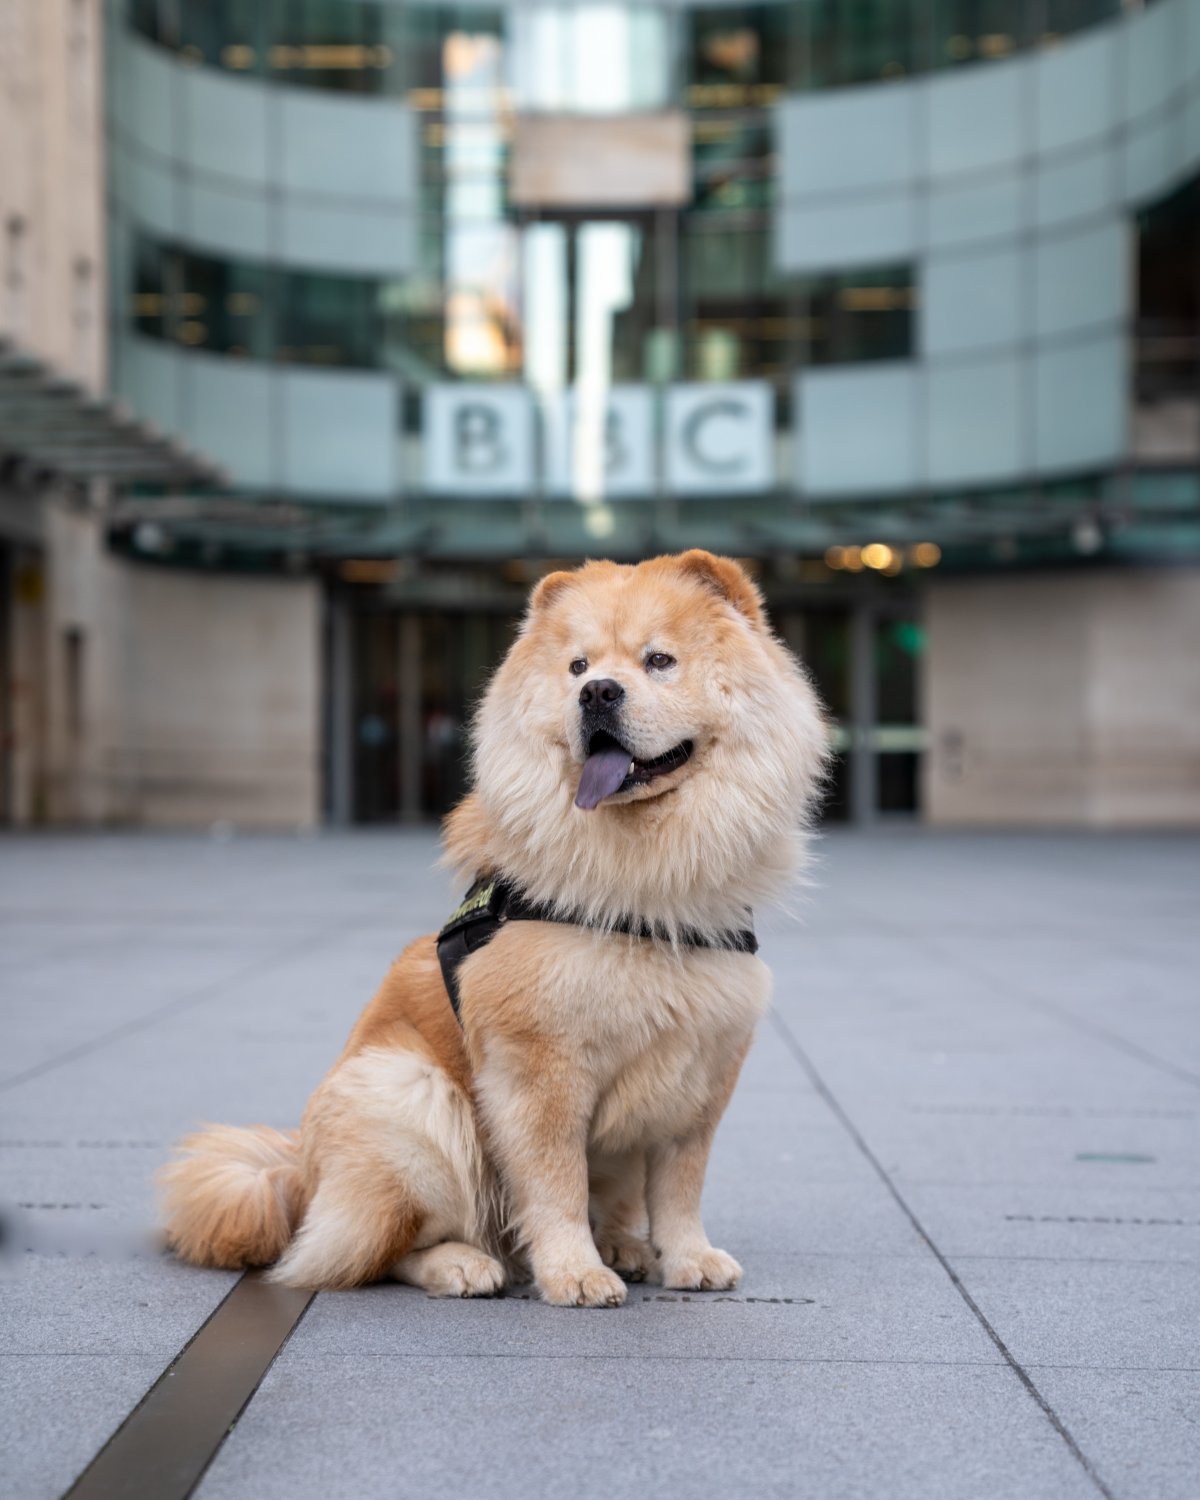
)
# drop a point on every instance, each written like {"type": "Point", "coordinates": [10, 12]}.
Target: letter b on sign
{"type": "Point", "coordinates": [478, 440]}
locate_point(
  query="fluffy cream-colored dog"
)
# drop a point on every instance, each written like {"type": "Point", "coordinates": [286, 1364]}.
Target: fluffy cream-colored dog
{"type": "Point", "coordinates": [645, 759]}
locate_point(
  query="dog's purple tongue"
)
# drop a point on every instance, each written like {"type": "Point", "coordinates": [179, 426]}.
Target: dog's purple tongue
{"type": "Point", "coordinates": [603, 772]}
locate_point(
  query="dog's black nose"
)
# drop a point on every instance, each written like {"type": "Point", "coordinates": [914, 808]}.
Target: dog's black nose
{"type": "Point", "coordinates": [601, 693]}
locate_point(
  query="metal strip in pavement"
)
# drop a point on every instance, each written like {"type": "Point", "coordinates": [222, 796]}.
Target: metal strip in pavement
{"type": "Point", "coordinates": [165, 1444]}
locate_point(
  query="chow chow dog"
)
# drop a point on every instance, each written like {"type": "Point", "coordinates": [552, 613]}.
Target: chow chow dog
{"type": "Point", "coordinates": [644, 762]}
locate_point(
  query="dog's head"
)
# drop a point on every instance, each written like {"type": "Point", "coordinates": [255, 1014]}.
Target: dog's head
{"type": "Point", "coordinates": [648, 746]}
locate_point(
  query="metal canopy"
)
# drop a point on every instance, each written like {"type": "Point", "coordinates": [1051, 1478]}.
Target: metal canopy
{"type": "Point", "coordinates": [1145, 504]}
{"type": "Point", "coordinates": [57, 425]}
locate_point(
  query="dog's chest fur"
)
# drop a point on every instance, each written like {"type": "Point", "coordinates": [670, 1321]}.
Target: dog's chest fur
{"type": "Point", "coordinates": [654, 1034]}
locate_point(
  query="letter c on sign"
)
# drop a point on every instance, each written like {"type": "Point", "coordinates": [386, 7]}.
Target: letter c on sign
{"type": "Point", "coordinates": [693, 434]}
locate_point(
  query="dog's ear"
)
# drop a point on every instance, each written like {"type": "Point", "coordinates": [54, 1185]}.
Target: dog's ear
{"type": "Point", "coordinates": [725, 578]}
{"type": "Point", "coordinates": [547, 589]}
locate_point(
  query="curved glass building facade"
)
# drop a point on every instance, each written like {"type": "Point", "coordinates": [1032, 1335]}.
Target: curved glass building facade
{"type": "Point", "coordinates": [928, 211]}
{"type": "Point", "coordinates": [844, 287]}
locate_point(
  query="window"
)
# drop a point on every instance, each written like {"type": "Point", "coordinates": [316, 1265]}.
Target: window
{"type": "Point", "coordinates": [857, 41]}
{"type": "Point", "coordinates": [596, 55]}
{"type": "Point", "coordinates": [855, 316]}
{"type": "Point", "coordinates": [974, 31]}
{"type": "Point", "coordinates": [247, 309]}
{"type": "Point", "coordinates": [1168, 311]}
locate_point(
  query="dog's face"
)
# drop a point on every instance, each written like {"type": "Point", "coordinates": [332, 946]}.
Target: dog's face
{"type": "Point", "coordinates": [646, 714]}
{"type": "Point", "coordinates": [637, 699]}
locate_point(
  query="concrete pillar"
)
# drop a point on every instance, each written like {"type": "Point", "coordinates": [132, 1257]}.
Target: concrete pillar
{"type": "Point", "coordinates": [1064, 699]}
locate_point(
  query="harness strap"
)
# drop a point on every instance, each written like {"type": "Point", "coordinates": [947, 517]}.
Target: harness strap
{"type": "Point", "coordinates": [491, 902]}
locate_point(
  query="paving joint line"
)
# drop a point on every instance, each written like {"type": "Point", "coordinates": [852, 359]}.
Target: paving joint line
{"type": "Point", "coordinates": [818, 1082]}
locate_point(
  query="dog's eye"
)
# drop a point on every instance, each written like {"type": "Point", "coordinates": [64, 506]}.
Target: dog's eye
{"type": "Point", "coordinates": [660, 661]}
{"type": "Point", "coordinates": [578, 666]}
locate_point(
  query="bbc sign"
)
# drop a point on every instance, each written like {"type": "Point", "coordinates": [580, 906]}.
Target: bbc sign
{"type": "Point", "coordinates": [624, 441]}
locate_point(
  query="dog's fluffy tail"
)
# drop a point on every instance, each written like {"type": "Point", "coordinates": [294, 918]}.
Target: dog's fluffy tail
{"type": "Point", "coordinates": [232, 1196]}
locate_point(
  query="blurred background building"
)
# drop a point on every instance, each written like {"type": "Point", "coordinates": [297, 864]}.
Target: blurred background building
{"type": "Point", "coordinates": [897, 300]}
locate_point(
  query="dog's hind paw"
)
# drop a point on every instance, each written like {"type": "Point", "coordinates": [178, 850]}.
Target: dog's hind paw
{"type": "Point", "coordinates": [452, 1269]}
{"type": "Point", "coordinates": [629, 1257]}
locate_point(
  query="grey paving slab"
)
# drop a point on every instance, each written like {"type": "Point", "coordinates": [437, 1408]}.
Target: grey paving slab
{"type": "Point", "coordinates": [1140, 1426]}
{"type": "Point", "coordinates": [622, 1426]}
{"type": "Point", "coordinates": [862, 1309]}
{"type": "Point", "coordinates": [57, 1412]}
{"type": "Point", "coordinates": [1074, 1150]}
{"type": "Point", "coordinates": [1113, 1220]}
{"type": "Point", "coordinates": [88, 1304]}
{"type": "Point", "coordinates": [1107, 1314]}
{"type": "Point", "coordinates": [1004, 1023]}
{"type": "Point", "coordinates": [788, 1214]}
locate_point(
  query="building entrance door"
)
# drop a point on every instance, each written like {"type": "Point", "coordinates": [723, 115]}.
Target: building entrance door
{"type": "Point", "coordinates": [864, 656]}
{"type": "Point", "coordinates": [415, 679]}
{"type": "Point", "coordinates": [402, 700]}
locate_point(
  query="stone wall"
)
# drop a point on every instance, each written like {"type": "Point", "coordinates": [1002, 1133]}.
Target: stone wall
{"type": "Point", "coordinates": [1064, 699]}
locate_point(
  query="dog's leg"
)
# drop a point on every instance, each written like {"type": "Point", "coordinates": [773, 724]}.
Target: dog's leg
{"type": "Point", "coordinates": [674, 1182]}
{"type": "Point", "coordinates": [618, 1212]}
{"type": "Point", "coordinates": [537, 1108]}
{"type": "Point", "coordinates": [451, 1269]}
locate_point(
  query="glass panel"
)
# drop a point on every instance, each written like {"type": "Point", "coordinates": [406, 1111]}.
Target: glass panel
{"type": "Point", "coordinates": [602, 56]}
{"type": "Point", "coordinates": [899, 646]}
{"type": "Point", "coordinates": [545, 306]}
{"type": "Point", "coordinates": [827, 657]}
{"type": "Point", "coordinates": [327, 320]}
{"type": "Point", "coordinates": [230, 34]}
{"type": "Point", "coordinates": [463, 313]}
{"type": "Point", "coordinates": [858, 41]}
{"type": "Point", "coordinates": [376, 717]}
{"type": "Point", "coordinates": [1168, 293]}
{"type": "Point", "coordinates": [1061, 17]}
{"type": "Point", "coordinates": [589, 58]}
{"type": "Point", "coordinates": [898, 777]}
{"type": "Point", "coordinates": [148, 300]}
{"type": "Point", "coordinates": [737, 56]}
{"type": "Point", "coordinates": [608, 257]}
{"type": "Point", "coordinates": [969, 31]}
{"type": "Point", "coordinates": [332, 44]}
{"type": "Point", "coordinates": [859, 315]}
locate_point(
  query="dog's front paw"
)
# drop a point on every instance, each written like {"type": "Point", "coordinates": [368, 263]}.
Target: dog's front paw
{"type": "Point", "coordinates": [705, 1271]}
{"type": "Point", "coordinates": [588, 1286]}
{"type": "Point", "coordinates": [629, 1257]}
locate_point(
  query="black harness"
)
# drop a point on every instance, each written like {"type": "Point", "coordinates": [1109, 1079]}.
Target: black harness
{"type": "Point", "coordinates": [491, 902]}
